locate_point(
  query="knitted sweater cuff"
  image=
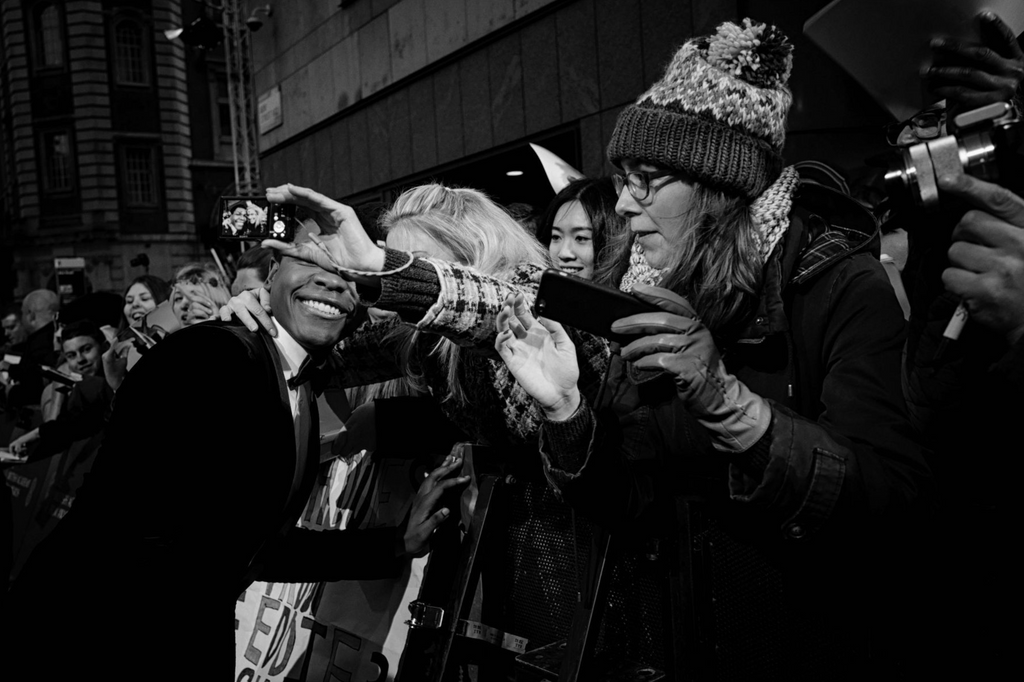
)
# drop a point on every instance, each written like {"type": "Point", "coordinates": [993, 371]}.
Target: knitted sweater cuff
{"type": "Point", "coordinates": [565, 445]}
{"type": "Point", "coordinates": [411, 291]}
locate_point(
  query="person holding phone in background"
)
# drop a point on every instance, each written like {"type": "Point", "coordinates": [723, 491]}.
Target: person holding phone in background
{"type": "Point", "coordinates": [771, 374]}
{"type": "Point", "coordinates": [88, 397]}
{"type": "Point", "coordinates": [142, 297]}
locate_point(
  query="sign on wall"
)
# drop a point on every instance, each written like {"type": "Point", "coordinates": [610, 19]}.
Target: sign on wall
{"type": "Point", "coordinates": [270, 110]}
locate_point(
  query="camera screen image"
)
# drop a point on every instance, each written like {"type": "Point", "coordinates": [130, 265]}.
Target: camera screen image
{"type": "Point", "coordinates": [243, 218]}
{"type": "Point", "coordinates": [282, 222]}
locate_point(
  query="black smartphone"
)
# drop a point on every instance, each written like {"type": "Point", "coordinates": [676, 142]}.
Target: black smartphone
{"type": "Point", "coordinates": [584, 305]}
{"type": "Point", "coordinates": [255, 219]}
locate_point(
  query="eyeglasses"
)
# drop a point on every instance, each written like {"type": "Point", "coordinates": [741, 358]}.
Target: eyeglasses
{"type": "Point", "coordinates": [925, 125]}
{"type": "Point", "coordinates": [639, 182]}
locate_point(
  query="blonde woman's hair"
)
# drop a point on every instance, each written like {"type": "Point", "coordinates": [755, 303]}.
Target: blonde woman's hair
{"type": "Point", "coordinates": [480, 234]}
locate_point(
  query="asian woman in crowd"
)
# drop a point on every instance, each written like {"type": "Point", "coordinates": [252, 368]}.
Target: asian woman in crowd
{"type": "Point", "coordinates": [578, 224]}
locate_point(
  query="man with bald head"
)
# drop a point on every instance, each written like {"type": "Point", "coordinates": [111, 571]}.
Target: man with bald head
{"type": "Point", "coordinates": [39, 309]}
{"type": "Point", "coordinates": [38, 315]}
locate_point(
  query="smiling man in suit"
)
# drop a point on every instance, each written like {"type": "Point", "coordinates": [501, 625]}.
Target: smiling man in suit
{"type": "Point", "coordinates": [209, 458]}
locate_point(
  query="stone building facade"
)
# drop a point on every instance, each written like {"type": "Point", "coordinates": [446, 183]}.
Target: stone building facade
{"type": "Point", "coordinates": [96, 157]}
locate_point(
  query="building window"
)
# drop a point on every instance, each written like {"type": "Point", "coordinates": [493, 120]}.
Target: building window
{"type": "Point", "coordinates": [221, 106]}
{"type": "Point", "coordinates": [138, 164]}
{"type": "Point", "coordinates": [131, 50]}
{"type": "Point", "coordinates": [48, 36]}
{"type": "Point", "coordinates": [58, 173]}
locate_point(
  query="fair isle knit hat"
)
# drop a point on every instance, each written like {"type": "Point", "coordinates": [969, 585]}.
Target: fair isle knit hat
{"type": "Point", "coordinates": [719, 112]}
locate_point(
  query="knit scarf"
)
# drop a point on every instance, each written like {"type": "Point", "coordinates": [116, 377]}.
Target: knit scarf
{"type": "Point", "coordinates": [770, 212]}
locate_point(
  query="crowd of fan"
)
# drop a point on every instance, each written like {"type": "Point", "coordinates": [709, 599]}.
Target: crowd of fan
{"type": "Point", "coordinates": [786, 374]}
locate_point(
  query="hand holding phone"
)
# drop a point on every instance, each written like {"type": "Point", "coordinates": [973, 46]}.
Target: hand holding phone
{"type": "Point", "coordinates": [584, 305]}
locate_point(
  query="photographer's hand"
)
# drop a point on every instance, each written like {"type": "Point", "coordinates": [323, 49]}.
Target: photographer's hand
{"type": "Point", "coordinates": [971, 75]}
{"type": "Point", "coordinates": [987, 255]}
{"type": "Point", "coordinates": [346, 242]}
{"type": "Point", "coordinates": [252, 308]}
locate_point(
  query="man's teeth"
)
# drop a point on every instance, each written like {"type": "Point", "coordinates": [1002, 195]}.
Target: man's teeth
{"type": "Point", "coordinates": [321, 307]}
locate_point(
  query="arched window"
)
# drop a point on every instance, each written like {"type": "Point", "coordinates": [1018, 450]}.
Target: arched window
{"type": "Point", "coordinates": [131, 53]}
{"type": "Point", "coordinates": [49, 36]}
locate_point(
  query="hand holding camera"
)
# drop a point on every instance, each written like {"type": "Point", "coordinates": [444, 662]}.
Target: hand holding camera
{"type": "Point", "coordinates": [255, 219]}
{"type": "Point", "coordinates": [987, 255]}
{"type": "Point", "coordinates": [342, 242]}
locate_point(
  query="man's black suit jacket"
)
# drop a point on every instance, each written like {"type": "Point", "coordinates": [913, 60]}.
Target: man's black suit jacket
{"type": "Point", "coordinates": [190, 497]}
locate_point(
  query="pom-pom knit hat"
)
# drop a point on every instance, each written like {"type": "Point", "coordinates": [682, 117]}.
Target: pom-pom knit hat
{"type": "Point", "coordinates": [719, 112]}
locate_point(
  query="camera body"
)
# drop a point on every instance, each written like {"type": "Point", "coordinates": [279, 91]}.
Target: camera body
{"type": "Point", "coordinates": [253, 218]}
{"type": "Point", "coordinates": [987, 140]}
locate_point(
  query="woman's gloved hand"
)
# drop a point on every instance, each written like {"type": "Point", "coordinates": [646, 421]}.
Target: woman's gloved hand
{"type": "Point", "coordinates": [676, 342]}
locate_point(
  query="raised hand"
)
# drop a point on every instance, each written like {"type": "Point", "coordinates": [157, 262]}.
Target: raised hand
{"type": "Point", "coordinates": [345, 244]}
{"type": "Point", "coordinates": [541, 356]}
{"type": "Point", "coordinates": [115, 362]}
{"type": "Point", "coordinates": [423, 520]}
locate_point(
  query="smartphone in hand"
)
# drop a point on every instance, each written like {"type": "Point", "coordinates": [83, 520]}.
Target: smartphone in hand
{"type": "Point", "coordinates": [585, 305]}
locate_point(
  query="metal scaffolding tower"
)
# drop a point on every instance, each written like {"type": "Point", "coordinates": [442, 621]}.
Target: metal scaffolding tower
{"type": "Point", "coordinates": [241, 100]}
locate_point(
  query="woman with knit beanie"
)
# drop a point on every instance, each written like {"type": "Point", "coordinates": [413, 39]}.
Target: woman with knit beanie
{"type": "Point", "coordinates": [769, 382]}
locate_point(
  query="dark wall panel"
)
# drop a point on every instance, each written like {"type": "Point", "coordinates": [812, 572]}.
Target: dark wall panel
{"type": "Point", "coordinates": [474, 84]}
{"type": "Point", "coordinates": [506, 74]}
{"type": "Point", "coordinates": [323, 165]}
{"type": "Point", "coordinates": [342, 159]}
{"type": "Point", "coordinates": [620, 58]}
{"type": "Point", "coordinates": [577, 61]}
{"type": "Point", "coordinates": [380, 152]}
{"type": "Point", "coordinates": [359, 149]}
{"type": "Point", "coordinates": [666, 24]}
{"type": "Point", "coordinates": [448, 103]}
{"type": "Point", "coordinates": [398, 133]}
{"type": "Point", "coordinates": [541, 101]}
{"type": "Point", "coordinates": [423, 124]}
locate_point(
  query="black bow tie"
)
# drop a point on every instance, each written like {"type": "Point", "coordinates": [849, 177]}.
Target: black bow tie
{"type": "Point", "coordinates": [316, 373]}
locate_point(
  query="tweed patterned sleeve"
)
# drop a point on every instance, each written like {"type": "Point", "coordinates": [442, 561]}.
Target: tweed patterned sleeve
{"type": "Point", "coordinates": [469, 302]}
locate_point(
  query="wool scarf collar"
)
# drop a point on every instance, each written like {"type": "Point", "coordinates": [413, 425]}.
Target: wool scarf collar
{"type": "Point", "coordinates": [770, 212]}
